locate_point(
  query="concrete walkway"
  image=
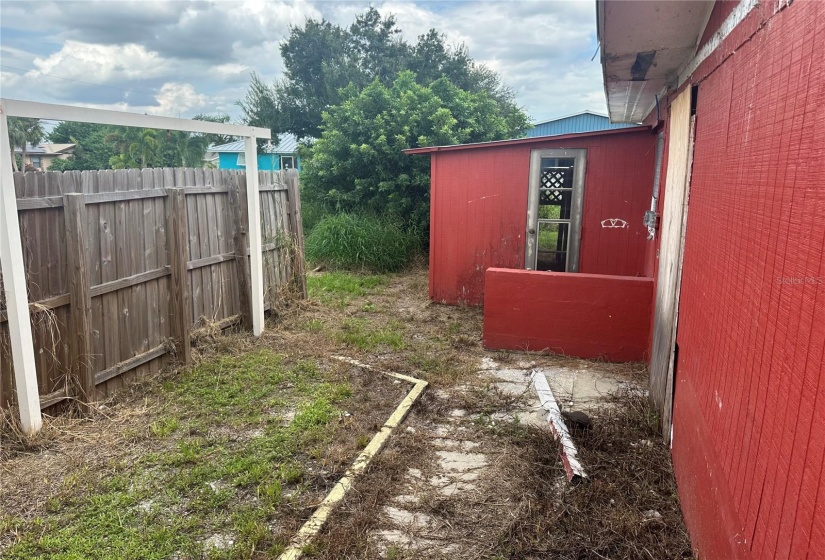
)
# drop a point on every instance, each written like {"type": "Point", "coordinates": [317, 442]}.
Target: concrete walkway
{"type": "Point", "coordinates": [461, 460]}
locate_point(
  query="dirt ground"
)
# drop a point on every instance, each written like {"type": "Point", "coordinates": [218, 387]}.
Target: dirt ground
{"type": "Point", "coordinates": [472, 473]}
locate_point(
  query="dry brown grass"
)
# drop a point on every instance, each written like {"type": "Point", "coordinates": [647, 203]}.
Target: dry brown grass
{"type": "Point", "coordinates": [628, 509]}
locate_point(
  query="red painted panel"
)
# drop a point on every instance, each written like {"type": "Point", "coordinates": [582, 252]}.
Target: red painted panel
{"type": "Point", "coordinates": [584, 315]}
{"type": "Point", "coordinates": [750, 397]}
{"type": "Point", "coordinates": [479, 210]}
{"type": "Point", "coordinates": [705, 498]}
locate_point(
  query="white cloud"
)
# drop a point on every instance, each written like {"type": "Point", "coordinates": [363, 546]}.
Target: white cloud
{"type": "Point", "coordinates": [8, 80]}
{"type": "Point", "coordinates": [230, 69]}
{"type": "Point", "coordinates": [102, 63]}
{"type": "Point", "coordinates": [175, 99]}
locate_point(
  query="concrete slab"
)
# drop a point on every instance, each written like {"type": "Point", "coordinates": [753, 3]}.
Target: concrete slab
{"type": "Point", "coordinates": [447, 443]}
{"type": "Point", "coordinates": [514, 389]}
{"type": "Point", "coordinates": [582, 389]}
{"type": "Point", "coordinates": [407, 519]}
{"type": "Point", "coordinates": [461, 462]}
{"type": "Point", "coordinates": [512, 375]}
{"type": "Point", "coordinates": [488, 363]}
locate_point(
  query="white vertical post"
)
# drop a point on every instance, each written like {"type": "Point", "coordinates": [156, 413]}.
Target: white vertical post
{"type": "Point", "coordinates": [14, 284]}
{"type": "Point", "coordinates": [253, 201]}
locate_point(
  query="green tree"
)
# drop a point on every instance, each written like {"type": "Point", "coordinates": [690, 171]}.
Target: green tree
{"type": "Point", "coordinates": [214, 139]}
{"type": "Point", "coordinates": [90, 151]}
{"type": "Point", "coordinates": [22, 132]}
{"type": "Point", "coordinates": [134, 147]}
{"type": "Point", "coordinates": [358, 164]}
{"type": "Point", "coordinates": [321, 59]}
{"type": "Point", "coordinates": [189, 149]}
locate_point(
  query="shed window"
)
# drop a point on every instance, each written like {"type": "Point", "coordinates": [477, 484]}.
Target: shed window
{"type": "Point", "coordinates": [287, 162]}
{"type": "Point", "coordinates": [242, 158]}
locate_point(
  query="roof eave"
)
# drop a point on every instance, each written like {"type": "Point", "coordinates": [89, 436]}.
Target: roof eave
{"type": "Point", "coordinates": [644, 45]}
{"type": "Point", "coordinates": [532, 140]}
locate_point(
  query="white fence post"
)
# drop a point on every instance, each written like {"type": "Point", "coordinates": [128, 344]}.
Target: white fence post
{"type": "Point", "coordinates": [17, 298]}
{"type": "Point", "coordinates": [253, 201]}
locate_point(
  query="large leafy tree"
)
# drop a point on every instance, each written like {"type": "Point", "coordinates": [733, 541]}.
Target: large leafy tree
{"type": "Point", "coordinates": [358, 164]}
{"type": "Point", "coordinates": [321, 59]}
{"type": "Point", "coordinates": [90, 151]}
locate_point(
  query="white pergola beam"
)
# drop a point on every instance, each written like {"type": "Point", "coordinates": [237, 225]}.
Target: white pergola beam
{"type": "Point", "coordinates": [253, 202]}
{"type": "Point", "coordinates": [35, 110]}
{"type": "Point", "coordinates": [11, 250]}
{"type": "Point", "coordinates": [17, 297]}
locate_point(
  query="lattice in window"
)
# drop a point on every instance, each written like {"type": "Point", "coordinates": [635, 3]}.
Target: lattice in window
{"type": "Point", "coordinates": [552, 179]}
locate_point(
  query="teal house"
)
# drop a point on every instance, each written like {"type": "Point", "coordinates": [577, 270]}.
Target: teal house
{"type": "Point", "coordinates": [284, 155]}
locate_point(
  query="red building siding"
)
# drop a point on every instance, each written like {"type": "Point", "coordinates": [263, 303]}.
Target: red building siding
{"type": "Point", "coordinates": [584, 315]}
{"type": "Point", "coordinates": [749, 405]}
{"type": "Point", "coordinates": [479, 209]}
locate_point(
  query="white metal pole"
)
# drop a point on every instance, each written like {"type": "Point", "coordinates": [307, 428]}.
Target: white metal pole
{"type": "Point", "coordinates": [256, 268]}
{"type": "Point", "coordinates": [14, 284]}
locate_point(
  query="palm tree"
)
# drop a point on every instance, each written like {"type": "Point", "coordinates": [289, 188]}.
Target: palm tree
{"type": "Point", "coordinates": [189, 148]}
{"type": "Point", "coordinates": [137, 147]}
{"type": "Point", "coordinates": [23, 131]}
{"type": "Point", "coordinates": [146, 146]}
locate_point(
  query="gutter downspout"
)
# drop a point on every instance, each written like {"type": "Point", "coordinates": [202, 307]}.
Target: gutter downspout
{"type": "Point", "coordinates": [650, 219]}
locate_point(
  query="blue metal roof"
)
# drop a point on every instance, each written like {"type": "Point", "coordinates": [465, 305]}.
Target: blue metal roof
{"type": "Point", "coordinates": [586, 121]}
{"type": "Point", "coordinates": [288, 145]}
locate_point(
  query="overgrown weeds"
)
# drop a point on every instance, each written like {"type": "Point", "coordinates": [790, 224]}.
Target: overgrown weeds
{"type": "Point", "coordinates": [361, 242]}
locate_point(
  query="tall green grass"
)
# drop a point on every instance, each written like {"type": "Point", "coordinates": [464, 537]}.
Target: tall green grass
{"type": "Point", "coordinates": [360, 242]}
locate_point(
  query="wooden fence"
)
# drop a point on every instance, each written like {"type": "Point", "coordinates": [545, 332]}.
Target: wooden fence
{"type": "Point", "coordinates": [123, 267]}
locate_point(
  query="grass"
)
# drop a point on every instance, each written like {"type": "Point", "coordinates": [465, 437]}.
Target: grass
{"type": "Point", "coordinates": [366, 336]}
{"type": "Point", "coordinates": [360, 242]}
{"type": "Point", "coordinates": [225, 461]}
{"type": "Point", "coordinates": [340, 288]}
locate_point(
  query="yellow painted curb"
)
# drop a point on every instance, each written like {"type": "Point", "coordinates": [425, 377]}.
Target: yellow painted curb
{"type": "Point", "coordinates": [314, 524]}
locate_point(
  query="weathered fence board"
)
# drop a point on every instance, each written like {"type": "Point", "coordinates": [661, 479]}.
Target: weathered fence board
{"type": "Point", "coordinates": [162, 254]}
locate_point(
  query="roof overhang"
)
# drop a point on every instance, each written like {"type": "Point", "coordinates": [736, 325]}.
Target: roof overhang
{"type": "Point", "coordinates": [531, 140]}
{"type": "Point", "coordinates": [644, 46]}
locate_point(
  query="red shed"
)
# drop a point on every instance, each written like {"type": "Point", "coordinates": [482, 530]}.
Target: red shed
{"type": "Point", "coordinates": [570, 203]}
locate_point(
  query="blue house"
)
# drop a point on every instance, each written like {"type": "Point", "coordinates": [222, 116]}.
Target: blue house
{"type": "Point", "coordinates": [284, 155]}
{"type": "Point", "coordinates": [586, 121]}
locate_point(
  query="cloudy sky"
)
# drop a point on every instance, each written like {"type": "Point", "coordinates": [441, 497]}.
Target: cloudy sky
{"type": "Point", "coordinates": [180, 58]}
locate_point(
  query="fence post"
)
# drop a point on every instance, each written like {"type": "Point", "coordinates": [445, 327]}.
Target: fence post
{"type": "Point", "coordinates": [176, 236]}
{"type": "Point", "coordinates": [237, 202]}
{"type": "Point", "coordinates": [297, 227]}
{"type": "Point", "coordinates": [80, 298]}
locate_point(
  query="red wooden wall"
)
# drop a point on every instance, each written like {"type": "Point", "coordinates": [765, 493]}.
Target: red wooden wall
{"type": "Point", "coordinates": [479, 209]}
{"type": "Point", "coordinates": [749, 408]}
{"type": "Point", "coordinates": [583, 315]}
